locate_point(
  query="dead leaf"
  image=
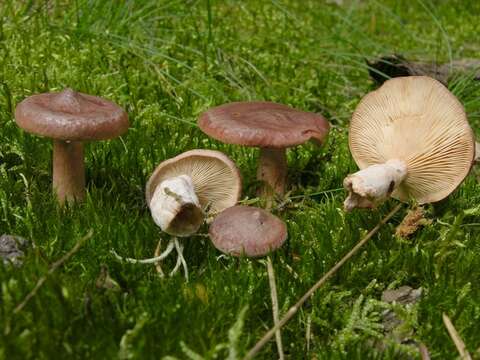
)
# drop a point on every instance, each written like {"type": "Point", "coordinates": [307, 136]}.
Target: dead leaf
{"type": "Point", "coordinates": [414, 219]}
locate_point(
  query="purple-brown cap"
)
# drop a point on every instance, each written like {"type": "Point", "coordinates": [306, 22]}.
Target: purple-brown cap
{"type": "Point", "coordinates": [247, 230]}
{"type": "Point", "coordinates": [262, 124]}
{"type": "Point", "coordinates": [69, 118]}
{"type": "Point", "coordinates": [270, 126]}
{"type": "Point", "coordinates": [70, 115]}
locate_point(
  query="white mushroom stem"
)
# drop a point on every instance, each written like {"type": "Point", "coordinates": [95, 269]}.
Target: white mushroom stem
{"type": "Point", "coordinates": [272, 169]}
{"type": "Point", "coordinates": [180, 259]}
{"type": "Point", "coordinates": [153, 260]}
{"type": "Point", "coordinates": [372, 185]}
{"type": "Point", "coordinates": [175, 206]}
{"type": "Point", "coordinates": [173, 244]}
{"type": "Point", "coordinates": [178, 263]}
{"type": "Point", "coordinates": [68, 171]}
{"type": "Point", "coordinates": [179, 248]}
{"type": "Point", "coordinates": [157, 253]}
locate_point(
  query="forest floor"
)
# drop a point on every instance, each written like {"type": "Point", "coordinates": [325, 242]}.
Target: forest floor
{"type": "Point", "coordinates": [166, 62]}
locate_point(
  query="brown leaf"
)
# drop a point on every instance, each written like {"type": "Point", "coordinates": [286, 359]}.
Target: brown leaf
{"type": "Point", "coordinates": [412, 222]}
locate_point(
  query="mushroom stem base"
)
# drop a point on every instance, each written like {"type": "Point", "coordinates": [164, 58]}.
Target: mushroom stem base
{"type": "Point", "coordinates": [175, 207]}
{"type": "Point", "coordinates": [272, 170]}
{"type": "Point", "coordinates": [68, 171]}
{"type": "Point", "coordinates": [374, 184]}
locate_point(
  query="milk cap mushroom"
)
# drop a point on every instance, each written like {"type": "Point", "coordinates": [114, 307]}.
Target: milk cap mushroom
{"type": "Point", "coordinates": [181, 188]}
{"type": "Point", "coordinates": [247, 230]}
{"type": "Point", "coordinates": [411, 140]}
{"type": "Point", "coordinates": [270, 126]}
{"type": "Point", "coordinates": [69, 118]}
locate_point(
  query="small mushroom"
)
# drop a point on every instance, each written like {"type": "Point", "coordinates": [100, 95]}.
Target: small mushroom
{"type": "Point", "coordinates": [411, 140]}
{"type": "Point", "coordinates": [271, 127]}
{"type": "Point", "coordinates": [181, 189]}
{"type": "Point", "coordinates": [69, 118]}
{"type": "Point", "coordinates": [252, 232]}
{"type": "Point", "coordinates": [247, 230]}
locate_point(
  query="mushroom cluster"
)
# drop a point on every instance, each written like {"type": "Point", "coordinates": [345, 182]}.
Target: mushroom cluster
{"type": "Point", "coordinates": [410, 138]}
{"type": "Point", "coordinates": [203, 185]}
{"type": "Point", "coordinates": [188, 189]}
{"type": "Point", "coordinates": [272, 127]}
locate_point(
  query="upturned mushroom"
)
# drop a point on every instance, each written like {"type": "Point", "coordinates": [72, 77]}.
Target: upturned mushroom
{"type": "Point", "coordinates": [271, 127]}
{"type": "Point", "coordinates": [411, 140]}
{"type": "Point", "coordinates": [247, 231]}
{"type": "Point", "coordinates": [188, 189]}
{"type": "Point", "coordinates": [69, 118]}
{"type": "Point", "coordinates": [183, 188]}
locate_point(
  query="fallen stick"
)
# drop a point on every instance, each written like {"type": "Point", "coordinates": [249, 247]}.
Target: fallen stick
{"type": "Point", "coordinates": [459, 344]}
{"type": "Point", "coordinates": [273, 292]}
{"type": "Point", "coordinates": [293, 310]}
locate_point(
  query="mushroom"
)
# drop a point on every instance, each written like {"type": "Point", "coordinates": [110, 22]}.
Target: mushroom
{"type": "Point", "coordinates": [411, 140]}
{"type": "Point", "coordinates": [188, 188]}
{"type": "Point", "coordinates": [253, 232]}
{"type": "Point", "coordinates": [182, 188]}
{"type": "Point", "coordinates": [69, 118]}
{"type": "Point", "coordinates": [247, 230]}
{"type": "Point", "coordinates": [271, 127]}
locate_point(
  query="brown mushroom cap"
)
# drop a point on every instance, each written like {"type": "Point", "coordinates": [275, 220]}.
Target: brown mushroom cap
{"type": "Point", "coordinates": [70, 115]}
{"type": "Point", "coordinates": [246, 230]}
{"type": "Point", "coordinates": [262, 124]}
{"type": "Point", "coordinates": [417, 120]}
{"type": "Point", "coordinates": [216, 179]}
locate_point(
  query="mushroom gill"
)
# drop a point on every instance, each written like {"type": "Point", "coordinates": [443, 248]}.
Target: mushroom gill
{"type": "Point", "coordinates": [416, 121]}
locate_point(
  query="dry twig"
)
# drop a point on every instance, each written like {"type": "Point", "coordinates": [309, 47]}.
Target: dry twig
{"type": "Point", "coordinates": [460, 345]}
{"type": "Point", "coordinates": [273, 292]}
